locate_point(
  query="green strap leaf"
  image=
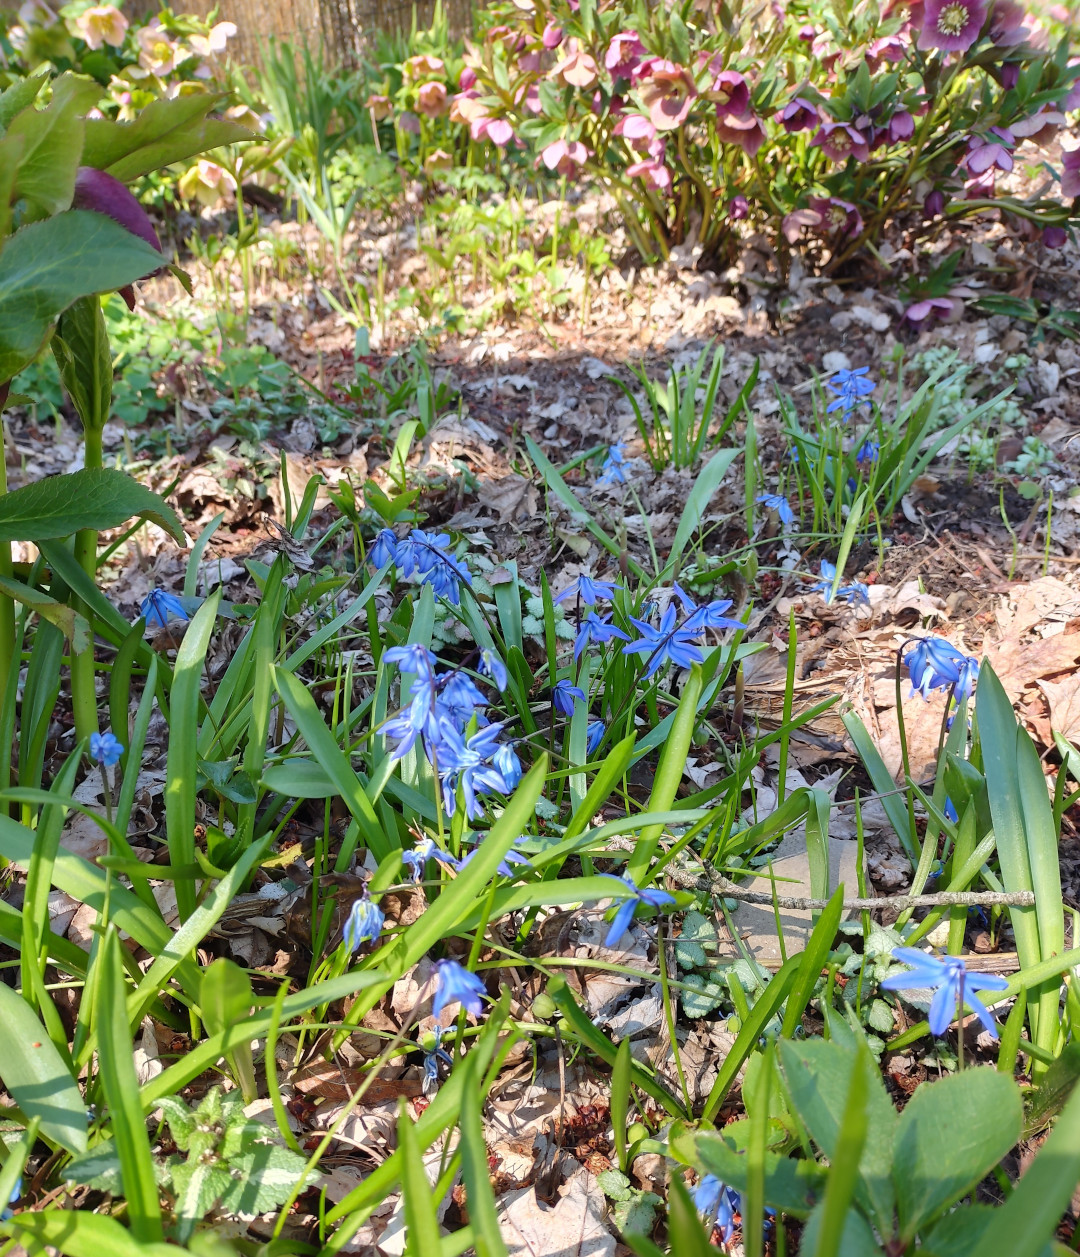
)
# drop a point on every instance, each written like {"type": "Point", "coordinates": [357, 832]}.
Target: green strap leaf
{"type": "Point", "coordinates": [94, 498]}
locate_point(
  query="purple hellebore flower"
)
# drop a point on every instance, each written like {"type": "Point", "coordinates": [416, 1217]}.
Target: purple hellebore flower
{"type": "Point", "coordinates": [738, 208]}
{"type": "Point", "coordinates": [651, 895]}
{"type": "Point", "coordinates": [985, 153]}
{"type": "Point", "coordinates": [624, 54]}
{"type": "Point", "coordinates": [97, 191]}
{"type": "Point", "coordinates": [951, 25]}
{"type": "Point", "coordinates": [454, 984]}
{"type": "Point", "coordinates": [836, 215]}
{"type": "Point", "coordinates": [1070, 175]}
{"type": "Point", "coordinates": [942, 307]}
{"type": "Point", "coordinates": [799, 114]}
{"type": "Point", "coordinates": [901, 126]}
{"type": "Point", "coordinates": [951, 983]}
{"type": "Point", "coordinates": [552, 36]}
{"type": "Point", "coordinates": [840, 140]}
{"type": "Point", "coordinates": [745, 129]}
{"type": "Point", "coordinates": [730, 91]}
{"type": "Point", "coordinates": [934, 204]}
{"type": "Point", "coordinates": [1054, 237]}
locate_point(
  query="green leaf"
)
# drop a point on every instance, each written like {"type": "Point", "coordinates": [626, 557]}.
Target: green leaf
{"type": "Point", "coordinates": [474, 1168]}
{"type": "Point", "coordinates": [98, 1168]}
{"type": "Point", "coordinates": [792, 1186]}
{"type": "Point", "coordinates": [835, 1216]}
{"type": "Point", "coordinates": [80, 346]}
{"type": "Point", "coordinates": [420, 1219]}
{"type": "Point", "coordinates": [52, 142]}
{"type": "Point", "coordinates": [74, 626]}
{"type": "Point", "coordinates": [46, 266]}
{"type": "Point", "coordinates": [267, 1174]}
{"type": "Point", "coordinates": [34, 1072]}
{"type": "Point", "coordinates": [697, 502]}
{"type": "Point", "coordinates": [166, 131]}
{"type": "Point", "coordinates": [818, 1075]}
{"type": "Point", "coordinates": [21, 94]}
{"type": "Point", "coordinates": [856, 1239]}
{"type": "Point", "coordinates": [93, 498]}
{"type": "Point", "coordinates": [83, 1235]}
{"type": "Point", "coordinates": [982, 1112]}
{"type": "Point", "coordinates": [961, 1233]}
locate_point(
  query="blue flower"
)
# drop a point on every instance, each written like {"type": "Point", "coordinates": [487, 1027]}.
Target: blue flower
{"type": "Point", "coordinates": [16, 1192]}
{"type": "Point", "coordinates": [867, 452]}
{"type": "Point", "coordinates": [778, 503]}
{"type": "Point", "coordinates": [478, 765]}
{"type": "Point", "coordinates": [710, 615]}
{"type": "Point", "coordinates": [950, 811]}
{"type": "Point", "coordinates": [384, 549]}
{"type": "Point", "coordinates": [504, 867]}
{"type": "Point", "coordinates": [587, 590]}
{"type": "Point", "coordinates": [158, 607]}
{"type": "Point", "coordinates": [935, 664]}
{"type": "Point", "coordinates": [460, 696]}
{"type": "Point", "coordinates": [666, 644]}
{"type": "Point", "coordinates": [492, 666]}
{"type": "Point", "coordinates": [432, 1058]}
{"type": "Point", "coordinates": [951, 983]}
{"type": "Point", "coordinates": [852, 388]}
{"type": "Point", "coordinates": [650, 895]}
{"type": "Point", "coordinates": [415, 658]}
{"type": "Point", "coordinates": [613, 470]}
{"type": "Point", "coordinates": [426, 849]}
{"type": "Point", "coordinates": [594, 735]}
{"type": "Point", "coordinates": [595, 628]}
{"type": "Point", "coordinates": [855, 592]}
{"type": "Point", "coordinates": [364, 924]}
{"type": "Point", "coordinates": [105, 749]}
{"type": "Point", "coordinates": [563, 694]}
{"type": "Point", "coordinates": [427, 556]}
{"type": "Point", "coordinates": [718, 1205]}
{"type": "Point", "coordinates": [455, 984]}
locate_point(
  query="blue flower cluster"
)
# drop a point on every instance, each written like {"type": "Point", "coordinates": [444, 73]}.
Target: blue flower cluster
{"type": "Point", "coordinates": [427, 849]}
{"type": "Point", "coordinates": [363, 925]}
{"type": "Point", "coordinates": [673, 642]}
{"type": "Point", "coordinates": [159, 607]}
{"type": "Point", "coordinates": [853, 390]}
{"type": "Point", "coordinates": [935, 664]}
{"type": "Point", "coordinates": [613, 470]}
{"type": "Point", "coordinates": [441, 707]}
{"type": "Point", "coordinates": [855, 592]}
{"type": "Point", "coordinates": [427, 556]}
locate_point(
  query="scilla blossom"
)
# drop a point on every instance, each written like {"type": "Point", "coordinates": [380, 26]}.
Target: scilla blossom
{"type": "Point", "coordinates": [103, 24]}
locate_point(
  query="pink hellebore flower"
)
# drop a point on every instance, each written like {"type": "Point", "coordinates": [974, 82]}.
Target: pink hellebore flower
{"type": "Point", "coordinates": [103, 24]}
{"type": "Point", "coordinates": [468, 107]}
{"type": "Point", "coordinates": [1041, 127]}
{"type": "Point", "coordinates": [380, 107]}
{"type": "Point", "coordinates": [564, 156]}
{"type": "Point", "coordinates": [929, 307]}
{"type": "Point", "coordinates": [798, 115]}
{"type": "Point", "coordinates": [934, 204]}
{"type": "Point", "coordinates": [624, 54]}
{"type": "Point", "coordinates": [497, 130]}
{"type": "Point", "coordinates": [901, 126]}
{"type": "Point", "coordinates": [668, 93]}
{"type": "Point", "coordinates": [951, 25]}
{"type": "Point", "coordinates": [636, 129]}
{"type": "Point", "coordinates": [739, 208]}
{"type": "Point", "coordinates": [532, 99]}
{"type": "Point", "coordinates": [836, 215]}
{"type": "Point", "coordinates": [985, 153]}
{"type": "Point", "coordinates": [888, 48]}
{"type": "Point", "coordinates": [840, 140]}
{"type": "Point", "coordinates": [431, 99]}
{"type": "Point", "coordinates": [1054, 237]}
{"type": "Point", "coordinates": [1072, 100]}
{"type": "Point", "coordinates": [576, 69]}
{"type": "Point", "coordinates": [440, 159]}
{"type": "Point", "coordinates": [423, 64]}
{"type": "Point", "coordinates": [468, 78]}
{"type": "Point", "coordinates": [794, 223]}
{"type": "Point", "coordinates": [1070, 175]}
{"type": "Point", "coordinates": [529, 62]}
{"type": "Point", "coordinates": [730, 92]}
{"type": "Point", "coordinates": [552, 36]}
{"type": "Point", "coordinates": [981, 188]}
{"type": "Point", "coordinates": [409, 122]}
{"type": "Point", "coordinates": [746, 130]}
{"type": "Point", "coordinates": [215, 40]}
{"type": "Point", "coordinates": [1007, 23]}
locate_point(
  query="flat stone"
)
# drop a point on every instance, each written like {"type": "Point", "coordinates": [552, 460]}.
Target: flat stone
{"type": "Point", "coordinates": [756, 923]}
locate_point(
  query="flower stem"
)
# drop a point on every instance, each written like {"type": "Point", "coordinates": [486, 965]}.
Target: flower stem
{"type": "Point", "coordinates": [7, 605]}
{"type": "Point", "coordinates": [83, 693]}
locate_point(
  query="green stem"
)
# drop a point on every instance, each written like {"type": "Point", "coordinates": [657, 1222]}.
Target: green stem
{"type": "Point", "coordinates": [7, 605]}
{"type": "Point", "coordinates": [83, 693]}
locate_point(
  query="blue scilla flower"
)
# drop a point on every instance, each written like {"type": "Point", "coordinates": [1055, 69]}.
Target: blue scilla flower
{"type": "Point", "coordinates": [105, 749]}
{"type": "Point", "coordinates": [855, 592]}
{"type": "Point", "coordinates": [159, 607]}
{"type": "Point", "coordinates": [16, 1192]}
{"type": "Point", "coordinates": [432, 1057]}
{"type": "Point", "coordinates": [666, 644]}
{"type": "Point", "coordinates": [505, 867]}
{"type": "Point", "coordinates": [852, 389]}
{"type": "Point", "coordinates": [587, 590]}
{"type": "Point", "coordinates": [613, 470]}
{"type": "Point", "coordinates": [424, 850]}
{"type": "Point", "coordinates": [479, 765]}
{"type": "Point", "coordinates": [951, 983]}
{"type": "Point", "coordinates": [595, 628]}
{"type": "Point", "coordinates": [364, 924]}
{"type": "Point", "coordinates": [950, 812]}
{"type": "Point", "coordinates": [778, 503]}
{"type": "Point", "coordinates": [935, 664]}
{"type": "Point", "coordinates": [428, 557]}
{"type": "Point", "coordinates": [563, 694]}
{"type": "Point", "coordinates": [710, 615]}
{"type": "Point", "coordinates": [492, 666]}
{"type": "Point", "coordinates": [650, 895]}
{"type": "Point", "coordinates": [594, 735]}
{"type": "Point", "coordinates": [384, 549]}
{"type": "Point", "coordinates": [868, 452]}
{"type": "Point", "coordinates": [460, 696]}
{"type": "Point", "coordinates": [454, 984]}
{"type": "Point", "coordinates": [718, 1205]}
{"type": "Point", "coordinates": [969, 674]}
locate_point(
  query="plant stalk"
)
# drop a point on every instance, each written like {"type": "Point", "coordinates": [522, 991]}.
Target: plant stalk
{"type": "Point", "coordinates": [83, 692]}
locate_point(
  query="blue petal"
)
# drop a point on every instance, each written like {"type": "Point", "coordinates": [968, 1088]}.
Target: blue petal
{"type": "Point", "coordinates": [621, 922]}
{"type": "Point", "coordinates": [943, 1008]}
{"type": "Point", "coordinates": [981, 1011]}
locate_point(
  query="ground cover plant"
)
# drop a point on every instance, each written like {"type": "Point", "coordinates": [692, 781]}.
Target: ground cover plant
{"type": "Point", "coordinates": [404, 856]}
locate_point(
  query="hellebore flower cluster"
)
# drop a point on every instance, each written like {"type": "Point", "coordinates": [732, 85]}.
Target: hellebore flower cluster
{"type": "Point", "coordinates": [455, 984]}
{"type": "Point", "coordinates": [951, 983]}
{"type": "Point", "coordinates": [935, 664]}
{"type": "Point", "coordinates": [852, 389]}
{"type": "Point", "coordinates": [426, 556]}
{"type": "Point", "coordinates": [650, 895]}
